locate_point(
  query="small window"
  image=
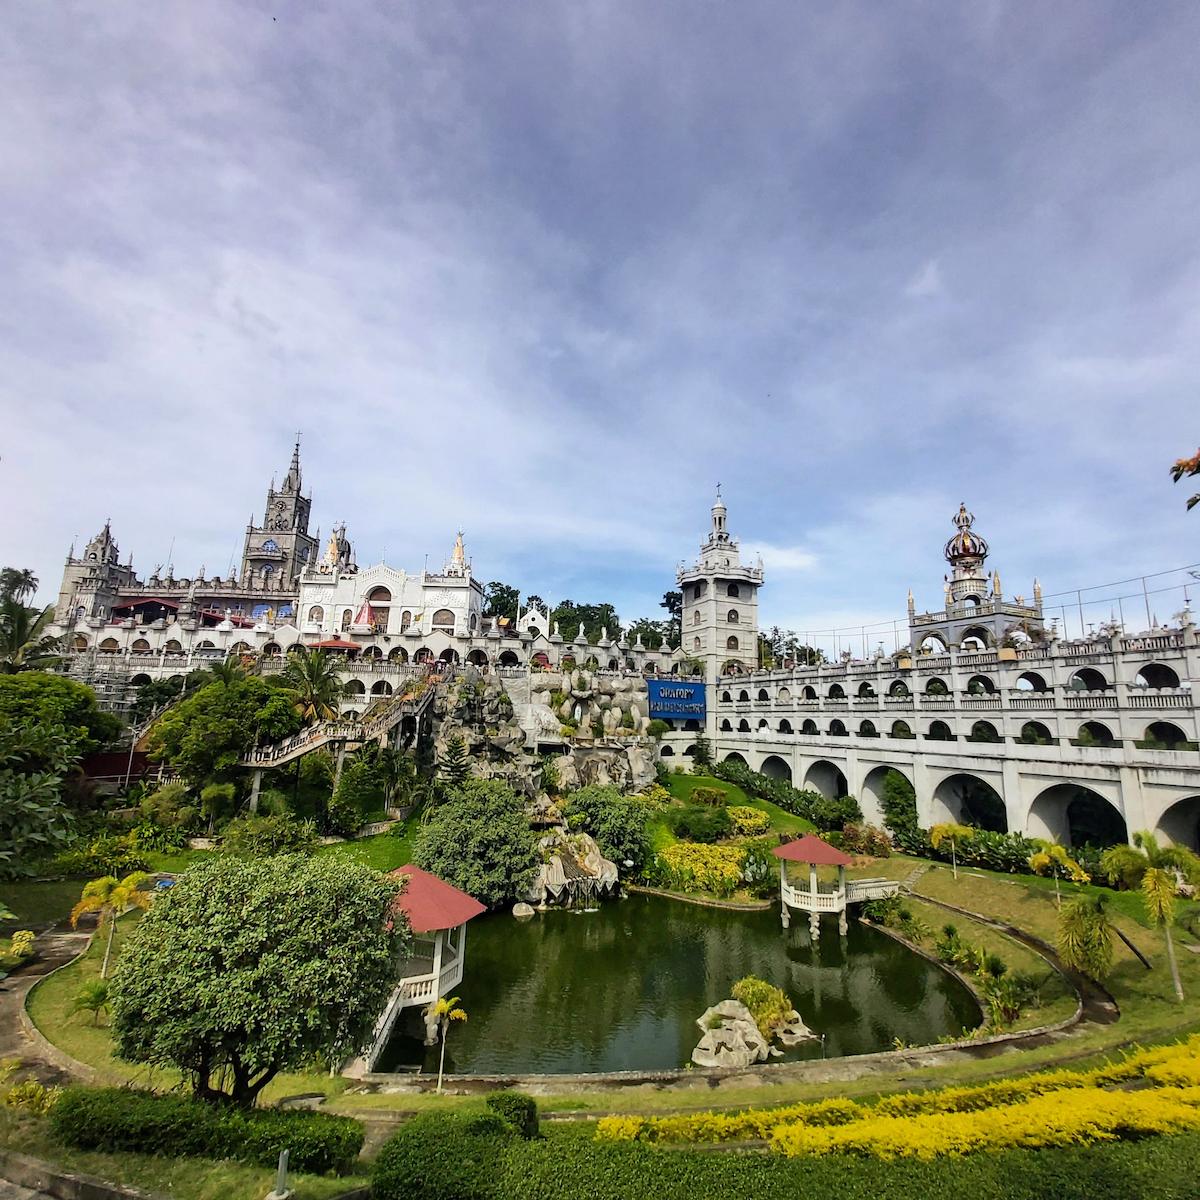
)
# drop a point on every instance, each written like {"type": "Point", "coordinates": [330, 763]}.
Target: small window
{"type": "Point", "coordinates": [695, 643]}
{"type": "Point", "coordinates": [732, 616]}
{"type": "Point", "coordinates": [731, 643]}
{"type": "Point", "coordinates": [316, 614]}
{"type": "Point", "coordinates": [270, 545]}
{"type": "Point", "coordinates": [405, 619]}
{"type": "Point", "coordinates": [734, 590]}
{"type": "Point", "coordinates": [696, 617]}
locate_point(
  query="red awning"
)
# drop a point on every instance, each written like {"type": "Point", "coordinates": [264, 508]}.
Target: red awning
{"type": "Point", "coordinates": [431, 903]}
{"type": "Point", "coordinates": [334, 644]}
{"type": "Point", "coordinates": [812, 849]}
{"type": "Point", "coordinates": [148, 600]}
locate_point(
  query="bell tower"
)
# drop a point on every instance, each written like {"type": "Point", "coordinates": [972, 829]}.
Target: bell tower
{"type": "Point", "coordinates": [279, 549]}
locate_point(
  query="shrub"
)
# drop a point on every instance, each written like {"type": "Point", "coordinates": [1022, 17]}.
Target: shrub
{"type": "Point", "coordinates": [866, 839]}
{"type": "Point", "coordinates": [750, 821]}
{"type": "Point", "coordinates": [20, 945]}
{"type": "Point", "coordinates": [657, 728]}
{"type": "Point", "coordinates": [691, 867]}
{"type": "Point", "coordinates": [713, 797]}
{"type": "Point", "coordinates": [768, 1005]}
{"type": "Point", "coordinates": [121, 1119]}
{"type": "Point", "coordinates": [32, 1097]}
{"type": "Point", "coordinates": [618, 823]}
{"type": "Point", "coordinates": [105, 855]}
{"type": "Point", "coordinates": [833, 814]}
{"type": "Point", "coordinates": [697, 823]}
{"type": "Point", "coordinates": [163, 807]}
{"type": "Point", "coordinates": [217, 802]}
{"type": "Point", "coordinates": [760, 868]}
{"type": "Point", "coordinates": [256, 837]}
{"type": "Point", "coordinates": [443, 1156]}
{"type": "Point", "coordinates": [161, 839]}
{"type": "Point", "coordinates": [518, 1109]}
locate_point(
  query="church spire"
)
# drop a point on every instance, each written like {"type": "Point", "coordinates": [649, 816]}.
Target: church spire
{"type": "Point", "coordinates": [291, 481]}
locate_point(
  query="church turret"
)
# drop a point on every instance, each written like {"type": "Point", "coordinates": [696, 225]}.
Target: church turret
{"type": "Point", "coordinates": [281, 547]}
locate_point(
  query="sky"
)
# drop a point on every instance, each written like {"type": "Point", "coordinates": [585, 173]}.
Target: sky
{"type": "Point", "coordinates": [549, 272]}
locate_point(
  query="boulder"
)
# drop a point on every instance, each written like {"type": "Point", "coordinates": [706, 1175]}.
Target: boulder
{"type": "Point", "coordinates": [522, 910]}
{"type": "Point", "coordinates": [794, 1031]}
{"type": "Point", "coordinates": [731, 1038]}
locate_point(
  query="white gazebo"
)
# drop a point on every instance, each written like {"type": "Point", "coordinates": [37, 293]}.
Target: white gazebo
{"type": "Point", "coordinates": [815, 900]}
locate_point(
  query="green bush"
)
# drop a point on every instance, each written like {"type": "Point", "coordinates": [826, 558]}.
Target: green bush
{"type": "Point", "coordinates": [518, 1109]}
{"type": "Point", "coordinates": [445, 1156]}
{"type": "Point", "coordinates": [105, 855]}
{"type": "Point", "coordinates": [121, 1119]}
{"type": "Point", "coordinates": [657, 728]}
{"type": "Point", "coordinates": [618, 823]}
{"type": "Point", "coordinates": [256, 837]}
{"type": "Point", "coordinates": [713, 797]}
{"type": "Point", "coordinates": [698, 823]}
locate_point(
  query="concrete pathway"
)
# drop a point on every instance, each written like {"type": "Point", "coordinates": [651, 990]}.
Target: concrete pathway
{"type": "Point", "coordinates": [55, 948]}
{"type": "Point", "coordinates": [13, 1191]}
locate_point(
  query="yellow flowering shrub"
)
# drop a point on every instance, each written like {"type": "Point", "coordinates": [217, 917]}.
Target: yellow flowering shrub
{"type": "Point", "coordinates": [747, 820]}
{"type": "Point", "coordinates": [1057, 1119]}
{"type": "Point", "coordinates": [693, 866]}
{"type": "Point", "coordinates": [619, 1129]}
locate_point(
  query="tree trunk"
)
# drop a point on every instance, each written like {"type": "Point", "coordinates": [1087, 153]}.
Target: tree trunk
{"type": "Point", "coordinates": [1133, 949]}
{"type": "Point", "coordinates": [442, 1060]}
{"type": "Point", "coordinates": [1174, 965]}
{"type": "Point", "coordinates": [953, 858]}
{"type": "Point", "coordinates": [112, 928]}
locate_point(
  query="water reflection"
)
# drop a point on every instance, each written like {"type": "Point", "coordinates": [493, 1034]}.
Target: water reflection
{"type": "Point", "coordinates": [620, 989]}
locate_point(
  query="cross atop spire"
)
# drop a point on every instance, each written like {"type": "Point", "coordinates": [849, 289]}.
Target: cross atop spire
{"type": "Point", "coordinates": [291, 481]}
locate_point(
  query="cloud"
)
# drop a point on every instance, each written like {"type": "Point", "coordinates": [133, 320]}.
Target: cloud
{"type": "Point", "coordinates": [779, 559]}
{"type": "Point", "coordinates": [927, 282]}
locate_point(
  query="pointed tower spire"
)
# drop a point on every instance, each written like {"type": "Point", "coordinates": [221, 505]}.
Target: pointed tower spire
{"type": "Point", "coordinates": [291, 481]}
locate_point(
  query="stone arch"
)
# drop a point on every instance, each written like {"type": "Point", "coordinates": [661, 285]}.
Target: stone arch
{"type": "Point", "coordinates": [827, 778]}
{"type": "Point", "coordinates": [732, 666]}
{"type": "Point", "coordinates": [398, 655]}
{"type": "Point", "coordinates": [1087, 679]}
{"type": "Point", "coordinates": [1074, 815]}
{"type": "Point", "coordinates": [984, 731]}
{"type": "Point", "coordinates": [785, 726]}
{"type": "Point", "coordinates": [734, 591]}
{"type": "Point", "coordinates": [981, 685]}
{"type": "Point", "coordinates": [423, 655]}
{"type": "Point", "coordinates": [939, 731]}
{"type": "Point", "coordinates": [356, 687]}
{"type": "Point", "coordinates": [1094, 733]}
{"type": "Point", "coordinates": [837, 692]}
{"type": "Point", "coordinates": [866, 690]}
{"type": "Point", "coordinates": [783, 695]}
{"type": "Point", "coordinates": [726, 726]}
{"type": "Point", "coordinates": [1034, 733]}
{"type": "Point", "coordinates": [726, 697]}
{"type": "Point", "coordinates": [809, 728]}
{"type": "Point", "coordinates": [867, 729]}
{"type": "Point", "coordinates": [666, 752]}
{"type": "Point", "coordinates": [172, 647]}
{"type": "Point", "coordinates": [870, 797]}
{"type": "Point", "coordinates": [936, 686]}
{"type": "Point", "coordinates": [743, 726]}
{"type": "Point", "coordinates": [372, 654]}
{"type": "Point", "coordinates": [809, 692]}
{"type": "Point", "coordinates": [405, 619]}
{"type": "Point", "coordinates": [902, 729]}
{"type": "Point", "coordinates": [763, 694]}
{"type": "Point", "coordinates": [899, 689]}
{"type": "Point", "coordinates": [762, 724]}
{"type": "Point", "coordinates": [734, 756]}
{"type": "Point", "coordinates": [272, 650]}
{"type": "Point", "coordinates": [477, 658]}
{"type": "Point", "coordinates": [79, 642]}
{"type": "Point", "coordinates": [731, 643]}
{"type": "Point", "coordinates": [970, 800]}
{"type": "Point", "coordinates": [938, 646]}
{"type": "Point", "coordinates": [1156, 675]}
{"type": "Point", "coordinates": [443, 619]}
{"type": "Point", "coordinates": [239, 648]}
{"type": "Point", "coordinates": [540, 659]}
{"type": "Point", "coordinates": [1180, 823]}
{"type": "Point", "coordinates": [743, 696]}
{"type": "Point", "coordinates": [379, 595]}
{"type": "Point", "coordinates": [774, 767]}
{"type": "Point", "coordinates": [449, 655]}
{"type": "Point", "coordinates": [690, 751]}
{"type": "Point", "coordinates": [381, 688]}
{"type": "Point", "coordinates": [347, 617]}
{"type": "Point", "coordinates": [1031, 681]}
{"type": "Point", "coordinates": [976, 633]}
{"type": "Point", "coordinates": [351, 714]}
{"type": "Point", "coordinates": [1163, 735]}
{"type": "Point", "coordinates": [140, 680]}
{"type": "Point", "coordinates": [316, 614]}
{"type": "Point", "coordinates": [731, 617]}
{"type": "Point", "coordinates": [838, 728]}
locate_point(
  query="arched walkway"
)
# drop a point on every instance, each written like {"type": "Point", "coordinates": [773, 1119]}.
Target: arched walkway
{"type": "Point", "coordinates": [1156, 675]}
{"type": "Point", "coordinates": [477, 658]}
{"type": "Point", "coordinates": [774, 767]}
{"type": "Point", "coordinates": [826, 778]}
{"type": "Point", "coordinates": [870, 798]}
{"type": "Point", "coordinates": [508, 658]}
{"type": "Point", "coordinates": [1074, 815]}
{"type": "Point", "coordinates": [734, 756]}
{"type": "Point", "coordinates": [970, 801]}
{"type": "Point", "coordinates": [1181, 823]}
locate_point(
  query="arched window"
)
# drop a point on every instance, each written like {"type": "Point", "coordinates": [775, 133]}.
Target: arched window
{"type": "Point", "coordinates": [726, 697]}
{"type": "Point", "coordinates": [785, 726]}
{"type": "Point", "coordinates": [474, 622]}
{"type": "Point", "coordinates": [980, 685]}
{"type": "Point", "coordinates": [347, 617]}
{"type": "Point", "coordinates": [939, 731]}
{"type": "Point", "coordinates": [899, 689]}
{"type": "Point", "coordinates": [379, 595]}
{"type": "Point", "coordinates": [763, 694]}
{"type": "Point", "coordinates": [443, 619]}
{"type": "Point", "coordinates": [726, 727]}
{"type": "Point", "coordinates": [733, 590]}
{"type": "Point", "coordinates": [867, 729]}
{"type": "Point", "coordinates": [837, 729]}
{"type": "Point", "coordinates": [936, 687]}
{"type": "Point", "coordinates": [837, 692]}
{"type": "Point", "coordinates": [731, 643]}
{"type": "Point", "coordinates": [270, 545]}
{"type": "Point", "coordinates": [743, 696]}
{"type": "Point", "coordinates": [1156, 675]}
{"type": "Point", "coordinates": [695, 643]}
{"type": "Point", "coordinates": [355, 687]}
{"type": "Point", "coordinates": [901, 729]}
{"type": "Point", "coordinates": [866, 691]}
{"type": "Point", "coordinates": [743, 726]}
{"type": "Point", "coordinates": [732, 616]}
{"type": "Point", "coordinates": [809, 728]}
{"type": "Point", "coordinates": [316, 614]}
{"type": "Point", "coordinates": [696, 617]}
{"type": "Point", "coordinates": [141, 646]}
{"type": "Point", "coordinates": [405, 620]}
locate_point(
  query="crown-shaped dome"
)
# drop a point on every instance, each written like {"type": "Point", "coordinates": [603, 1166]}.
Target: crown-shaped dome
{"type": "Point", "coordinates": [965, 543]}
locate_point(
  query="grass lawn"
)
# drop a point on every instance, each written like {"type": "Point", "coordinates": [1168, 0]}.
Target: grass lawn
{"type": "Point", "coordinates": [182, 1178]}
{"type": "Point", "coordinates": [683, 786]}
{"type": "Point", "coordinates": [39, 902]}
{"type": "Point", "coordinates": [384, 851]}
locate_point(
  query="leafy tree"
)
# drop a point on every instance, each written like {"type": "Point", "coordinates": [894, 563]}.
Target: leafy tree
{"type": "Point", "coordinates": [1186, 468]}
{"type": "Point", "coordinates": [595, 619]}
{"type": "Point", "coordinates": [702, 754]}
{"type": "Point", "coordinates": [249, 967]}
{"type": "Point", "coordinates": [1085, 934]}
{"type": "Point", "coordinates": [1054, 860]}
{"type": "Point", "coordinates": [479, 840]}
{"type": "Point", "coordinates": [362, 786]}
{"type": "Point", "coordinates": [205, 735]}
{"type": "Point", "coordinates": [898, 800]}
{"type": "Point", "coordinates": [537, 602]}
{"type": "Point", "coordinates": [501, 600]}
{"type": "Point", "coordinates": [1158, 892]}
{"type": "Point", "coordinates": [652, 633]}
{"type": "Point", "coordinates": [34, 819]}
{"type": "Point", "coordinates": [218, 802]}
{"type": "Point", "coordinates": [270, 833]}
{"type": "Point", "coordinates": [35, 699]}
{"type": "Point", "coordinates": [110, 897]}
{"type": "Point", "coordinates": [454, 767]}
{"type": "Point", "coordinates": [312, 681]}
{"type": "Point", "coordinates": [93, 998]}
{"type": "Point", "coordinates": [950, 832]}
{"type": "Point", "coordinates": [618, 823]}
{"type": "Point", "coordinates": [673, 602]}
{"type": "Point", "coordinates": [445, 1011]}
{"type": "Point", "coordinates": [17, 584]}
{"type": "Point", "coordinates": [24, 643]}
{"type": "Point", "coordinates": [228, 671]}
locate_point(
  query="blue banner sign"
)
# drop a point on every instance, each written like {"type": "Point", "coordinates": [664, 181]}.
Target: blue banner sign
{"type": "Point", "coordinates": [676, 700]}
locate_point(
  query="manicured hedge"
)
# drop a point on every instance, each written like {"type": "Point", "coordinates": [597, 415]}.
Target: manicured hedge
{"type": "Point", "coordinates": [444, 1156]}
{"type": "Point", "coordinates": [176, 1126]}
{"type": "Point", "coordinates": [518, 1109]}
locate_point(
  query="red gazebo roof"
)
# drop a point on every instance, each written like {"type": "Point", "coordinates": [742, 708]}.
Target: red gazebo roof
{"type": "Point", "coordinates": [431, 903]}
{"type": "Point", "coordinates": [334, 644]}
{"type": "Point", "coordinates": [812, 849]}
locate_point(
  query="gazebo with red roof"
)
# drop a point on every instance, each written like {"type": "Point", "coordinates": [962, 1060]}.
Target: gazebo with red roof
{"type": "Point", "coordinates": [819, 853]}
{"type": "Point", "coordinates": [438, 914]}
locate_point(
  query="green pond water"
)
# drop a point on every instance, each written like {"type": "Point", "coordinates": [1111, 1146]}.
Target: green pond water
{"type": "Point", "coordinates": [619, 988]}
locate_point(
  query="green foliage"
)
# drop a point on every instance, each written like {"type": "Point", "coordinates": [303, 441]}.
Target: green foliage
{"type": "Point", "coordinates": [709, 796]}
{"type": "Point", "coordinates": [205, 735]}
{"type": "Point", "coordinates": [501, 600]}
{"type": "Point", "coordinates": [163, 807]}
{"type": "Point", "coordinates": [702, 759]}
{"type": "Point", "coordinates": [248, 967]}
{"type": "Point", "coordinates": [595, 619]}
{"type": "Point", "coordinates": [271, 833]}
{"type": "Point", "coordinates": [618, 823]}
{"type": "Point", "coordinates": [865, 839]}
{"type": "Point", "coordinates": [898, 800]}
{"type": "Point", "coordinates": [760, 868]}
{"type": "Point", "coordinates": [768, 1005]}
{"type": "Point", "coordinates": [446, 1156]}
{"type": "Point", "coordinates": [657, 728]}
{"type": "Point", "coordinates": [827, 814]}
{"type": "Point", "coordinates": [751, 821]}
{"type": "Point", "coordinates": [699, 823]}
{"type": "Point", "coordinates": [550, 779]}
{"type": "Point", "coordinates": [361, 789]}
{"type": "Point", "coordinates": [92, 997]}
{"type": "Point", "coordinates": [651, 632]}
{"type": "Point", "coordinates": [218, 801]}
{"type": "Point", "coordinates": [123, 1120]}
{"type": "Point", "coordinates": [107, 854]}
{"type": "Point", "coordinates": [34, 820]}
{"type": "Point", "coordinates": [518, 1109]}
{"type": "Point", "coordinates": [479, 841]}
{"type": "Point", "coordinates": [36, 700]}
{"type": "Point", "coordinates": [454, 767]}
{"type": "Point", "coordinates": [24, 643]}
{"type": "Point", "coordinates": [32, 1097]}
{"type": "Point", "coordinates": [312, 681]}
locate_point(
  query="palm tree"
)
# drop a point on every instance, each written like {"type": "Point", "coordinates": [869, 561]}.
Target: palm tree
{"type": "Point", "coordinates": [24, 643]}
{"type": "Point", "coordinates": [1156, 870]}
{"type": "Point", "coordinates": [111, 897]}
{"type": "Point", "coordinates": [17, 584]}
{"type": "Point", "coordinates": [444, 1011]}
{"type": "Point", "coordinates": [228, 671]}
{"type": "Point", "coordinates": [311, 677]}
{"type": "Point", "coordinates": [953, 833]}
{"type": "Point", "coordinates": [93, 998]}
{"type": "Point", "coordinates": [1054, 860]}
{"type": "Point", "coordinates": [1085, 934]}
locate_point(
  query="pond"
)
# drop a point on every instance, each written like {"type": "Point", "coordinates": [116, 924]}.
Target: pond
{"type": "Point", "coordinates": [619, 988]}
